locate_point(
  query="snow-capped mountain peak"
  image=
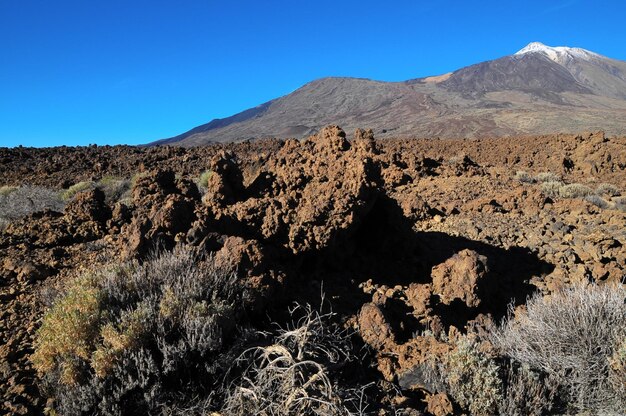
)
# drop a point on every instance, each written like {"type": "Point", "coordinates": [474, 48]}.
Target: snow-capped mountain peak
{"type": "Point", "coordinates": [558, 53]}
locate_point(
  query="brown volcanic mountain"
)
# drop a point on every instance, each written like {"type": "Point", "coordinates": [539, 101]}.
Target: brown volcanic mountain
{"type": "Point", "coordinates": [538, 90]}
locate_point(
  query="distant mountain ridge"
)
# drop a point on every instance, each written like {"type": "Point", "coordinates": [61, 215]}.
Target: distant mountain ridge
{"type": "Point", "coordinates": [538, 90]}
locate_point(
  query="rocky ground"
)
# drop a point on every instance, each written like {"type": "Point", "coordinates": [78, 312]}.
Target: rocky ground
{"type": "Point", "coordinates": [407, 239]}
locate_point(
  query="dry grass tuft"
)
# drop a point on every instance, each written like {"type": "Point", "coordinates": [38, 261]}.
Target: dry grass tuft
{"type": "Point", "coordinates": [203, 181]}
{"type": "Point", "coordinates": [292, 376]}
{"type": "Point", "coordinates": [70, 192]}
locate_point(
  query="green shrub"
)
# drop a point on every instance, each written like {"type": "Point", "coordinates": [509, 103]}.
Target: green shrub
{"type": "Point", "coordinates": [524, 177]}
{"type": "Point", "coordinates": [141, 338]}
{"type": "Point", "coordinates": [571, 336]}
{"type": "Point", "coordinates": [70, 192]}
{"type": "Point", "coordinates": [547, 177]}
{"type": "Point", "coordinates": [473, 378]}
{"type": "Point", "coordinates": [469, 375]}
{"type": "Point", "coordinates": [68, 331]}
{"type": "Point", "coordinates": [574, 190]}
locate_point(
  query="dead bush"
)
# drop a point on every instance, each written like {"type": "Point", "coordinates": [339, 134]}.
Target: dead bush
{"type": "Point", "coordinates": [23, 201]}
{"type": "Point", "coordinates": [571, 336]}
{"type": "Point", "coordinates": [294, 374]}
{"type": "Point", "coordinates": [526, 392]}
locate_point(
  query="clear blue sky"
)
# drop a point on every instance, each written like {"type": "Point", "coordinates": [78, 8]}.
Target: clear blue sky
{"type": "Point", "coordinates": [109, 71]}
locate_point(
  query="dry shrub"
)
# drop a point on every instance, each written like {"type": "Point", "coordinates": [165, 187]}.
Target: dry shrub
{"type": "Point", "coordinates": [23, 201]}
{"type": "Point", "coordinates": [114, 188]}
{"type": "Point", "coordinates": [293, 375]}
{"type": "Point", "coordinates": [607, 189]}
{"type": "Point", "coordinates": [575, 190]}
{"type": "Point", "coordinates": [526, 392]}
{"type": "Point", "coordinates": [617, 372]}
{"type": "Point", "coordinates": [597, 201]}
{"type": "Point", "coordinates": [135, 339]}
{"type": "Point", "coordinates": [547, 177]}
{"type": "Point", "coordinates": [524, 177]}
{"type": "Point", "coordinates": [70, 192]}
{"type": "Point", "coordinates": [571, 336]}
{"type": "Point", "coordinates": [551, 188]}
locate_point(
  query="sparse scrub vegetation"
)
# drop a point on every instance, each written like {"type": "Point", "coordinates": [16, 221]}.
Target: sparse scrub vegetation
{"type": "Point", "coordinates": [551, 188]}
{"type": "Point", "coordinates": [115, 189]}
{"type": "Point", "coordinates": [70, 192]}
{"type": "Point", "coordinates": [138, 337]}
{"type": "Point", "coordinates": [575, 190]}
{"type": "Point", "coordinates": [160, 338]}
{"type": "Point", "coordinates": [608, 190]}
{"type": "Point", "coordinates": [597, 201]}
{"type": "Point", "coordinates": [22, 201]}
{"type": "Point", "coordinates": [572, 336]}
{"type": "Point", "coordinates": [136, 177]}
{"type": "Point", "coordinates": [470, 376]}
{"type": "Point", "coordinates": [524, 177]}
{"type": "Point", "coordinates": [547, 177]}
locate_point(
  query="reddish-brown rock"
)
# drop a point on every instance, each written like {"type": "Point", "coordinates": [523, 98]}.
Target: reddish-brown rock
{"type": "Point", "coordinates": [460, 277]}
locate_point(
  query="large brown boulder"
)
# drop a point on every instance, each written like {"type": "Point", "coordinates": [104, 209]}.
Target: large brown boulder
{"type": "Point", "coordinates": [459, 277]}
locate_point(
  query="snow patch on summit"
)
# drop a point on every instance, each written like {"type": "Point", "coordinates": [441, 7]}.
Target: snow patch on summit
{"type": "Point", "coordinates": [559, 54]}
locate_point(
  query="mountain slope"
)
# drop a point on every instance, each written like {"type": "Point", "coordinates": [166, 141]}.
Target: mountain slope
{"type": "Point", "coordinates": [540, 89]}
